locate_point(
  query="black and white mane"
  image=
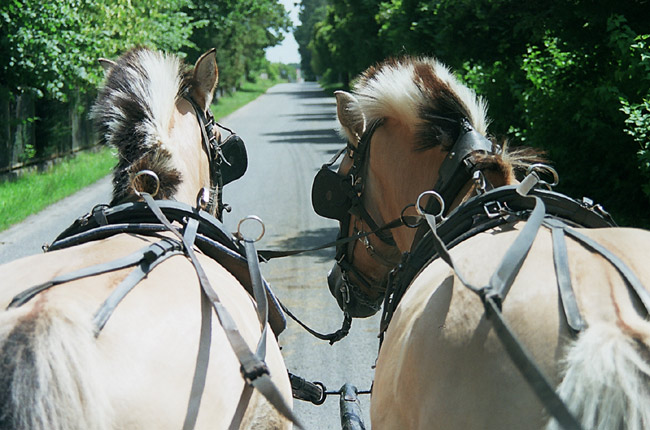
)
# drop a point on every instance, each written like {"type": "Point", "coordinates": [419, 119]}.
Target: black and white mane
{"type": "Point", "coordinates": [133, 112]}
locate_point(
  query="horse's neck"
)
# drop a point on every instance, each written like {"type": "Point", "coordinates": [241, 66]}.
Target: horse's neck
{"type": "Point", "coordinates": [188, 155]}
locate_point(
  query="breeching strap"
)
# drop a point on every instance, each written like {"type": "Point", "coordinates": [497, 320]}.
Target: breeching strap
{"type": "Point", "coordinates": [493, 296]}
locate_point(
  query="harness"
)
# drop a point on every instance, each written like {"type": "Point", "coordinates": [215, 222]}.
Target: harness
{"type": "Point", "coordinates": [194, 227]}
{"type": "Point", "coordinates": [228, 158]}
{"type": "Point", "coordinates": [491, 208]}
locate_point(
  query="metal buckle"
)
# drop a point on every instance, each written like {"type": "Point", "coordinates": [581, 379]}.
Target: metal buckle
{"type": "Point", "coordinates": [494, 209]}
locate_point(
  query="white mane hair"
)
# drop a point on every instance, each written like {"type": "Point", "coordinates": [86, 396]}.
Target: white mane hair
{"type": "Point", "coordinates": [133, 112]}
{"type": "Point", "coordinates": [139, 96]}
{"type": "Point", "coordinates": [408, 89]}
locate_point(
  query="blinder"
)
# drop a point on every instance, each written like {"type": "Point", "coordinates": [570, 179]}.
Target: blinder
{"type": "Point", "coordinates": [331, 194]}
{"type": "Point", "coordinates": [234, 159]}
{"type": "Point", "coordinates": [228, 159]}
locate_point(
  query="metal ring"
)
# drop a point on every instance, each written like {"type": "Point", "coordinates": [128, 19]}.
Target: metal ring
{"type": "Point", "coordinates": [149, 173]}
{"type": "Point", "coordinates": [323, 393]}
{"type": "Point", "coordinates": [402, 217]}
{"type": "Point", "coordinates": [254, 218]}
{"type": "Point", "coordinates": [437, 196]}
{"type": "Point", "coordinates": [547, 168]}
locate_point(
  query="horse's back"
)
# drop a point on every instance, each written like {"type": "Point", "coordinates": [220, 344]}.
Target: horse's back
{"type": "Point", "coordinates": [441, 361]}
{"type": "Point", "coordinates": [145, 356]}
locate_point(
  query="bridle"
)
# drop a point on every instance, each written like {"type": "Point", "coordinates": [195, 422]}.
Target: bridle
{"type": "Point", "coordinates": [340, 196]}
{"type": "Point", "coordinates": [227, 160]}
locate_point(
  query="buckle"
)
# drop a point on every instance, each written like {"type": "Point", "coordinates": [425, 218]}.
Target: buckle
{"type": "Point", "coordinates": [495, 209]}
{"type": "Point", "coordinates": [259, 369]}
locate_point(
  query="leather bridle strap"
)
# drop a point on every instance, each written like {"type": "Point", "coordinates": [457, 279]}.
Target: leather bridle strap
{"type": "Point", "coordinates": [493, 295]}
{"type": "Point", "coordinates": [253, 368]}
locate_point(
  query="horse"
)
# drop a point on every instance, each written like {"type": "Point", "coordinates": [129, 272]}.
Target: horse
{"type": "Point", "coordinates": [65, 363]}
{"type": "Point", "coordinates": [451, 209]}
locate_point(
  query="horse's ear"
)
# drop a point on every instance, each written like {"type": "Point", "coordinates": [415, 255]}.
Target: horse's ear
{"type": "Point", "coordinates": [352, 119]}
{"type": "Point", "coordinates": [206, 76]}
{"type": "Point", "coordinates": [107, 65]}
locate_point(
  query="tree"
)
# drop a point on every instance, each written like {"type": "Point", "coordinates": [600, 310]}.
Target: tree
{"type": "Point", "coordinates": [51, 48]}
{"type": "Point", "coordinates": [311, 12]}
{"type": "Point", "coordinates": [240, 30]}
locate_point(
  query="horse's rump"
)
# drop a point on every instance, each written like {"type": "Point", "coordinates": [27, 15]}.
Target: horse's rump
{"type": "Point", "coordinates": [143, 360]}
{"type": "Point", "coordinates": [440, 350]}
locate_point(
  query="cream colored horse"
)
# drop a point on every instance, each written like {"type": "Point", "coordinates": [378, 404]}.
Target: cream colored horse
{"type": "Point", "coordinates": [441, 365]}
{"type": "Point", "coordinates": [138, 372]}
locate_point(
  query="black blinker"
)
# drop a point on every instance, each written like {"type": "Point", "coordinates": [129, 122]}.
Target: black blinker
{"type": "Point", "coordinates": [235, 159]}
{"type": "Point", "coordinates": [330, 194]}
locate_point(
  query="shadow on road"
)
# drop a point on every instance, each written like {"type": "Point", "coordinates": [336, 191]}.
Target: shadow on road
{"type": "Point", "coordinates": [326, 135]}
{"type": "Point", "coordinates": [309, 239]}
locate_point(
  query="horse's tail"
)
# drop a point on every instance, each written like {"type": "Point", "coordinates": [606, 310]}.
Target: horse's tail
{"type": "Point", "coordinates": [48, 371]}
{"type": "Point", "coordinates": [606, 380]}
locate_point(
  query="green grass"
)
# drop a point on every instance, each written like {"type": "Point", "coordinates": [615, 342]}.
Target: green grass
{"type": "Point", "coordinates": [246, 94]}
{"type": "Point", "coordinates": [35, 191]}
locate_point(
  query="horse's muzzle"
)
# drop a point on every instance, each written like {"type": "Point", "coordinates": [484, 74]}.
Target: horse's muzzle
{"type": "Point", "coordinates": [348, 296]}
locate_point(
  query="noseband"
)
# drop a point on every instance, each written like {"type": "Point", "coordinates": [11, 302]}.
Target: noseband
{"type": "Point", "coordinates": [227, 159]}
{"type": "Point", "coordinates": [339, 196]}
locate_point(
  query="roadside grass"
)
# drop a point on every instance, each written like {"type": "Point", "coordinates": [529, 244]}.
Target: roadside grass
{"type": "Point", "coordinates": [248, 92]}
{"type": "Point", "coordinates": [34, 191]}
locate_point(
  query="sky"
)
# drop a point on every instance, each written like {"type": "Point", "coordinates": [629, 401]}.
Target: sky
{"type": "Point", "coordinates": [287, 51]}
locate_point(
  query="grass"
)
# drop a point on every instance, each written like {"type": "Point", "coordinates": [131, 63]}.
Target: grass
{"type": "Point", "coordinates": [248, 92]}
{"type": "Point", "coordinates": [34, 191]}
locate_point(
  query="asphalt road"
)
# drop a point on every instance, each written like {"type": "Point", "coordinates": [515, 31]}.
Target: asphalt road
{"type": "Point", "coordinates": [289, 133]}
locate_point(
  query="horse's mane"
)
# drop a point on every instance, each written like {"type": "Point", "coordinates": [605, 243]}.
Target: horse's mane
{"type": "Point", "coordinates": [132, 113]}
{"type": "Point", "coordinates": [418, 92]}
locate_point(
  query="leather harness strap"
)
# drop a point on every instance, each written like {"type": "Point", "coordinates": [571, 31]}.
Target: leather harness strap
{"type": "Point", "coordinates": [563, 275]}
{"type": "Point", "coordinates": [253, 367]}
{"type": "Point", "coordinates": [493, 296]}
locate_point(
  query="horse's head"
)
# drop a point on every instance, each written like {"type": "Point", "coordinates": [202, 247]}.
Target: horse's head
{"type": "Point", "coordinates": [156, 112]}
{"type": "Point", "coordinates": [411, 127]}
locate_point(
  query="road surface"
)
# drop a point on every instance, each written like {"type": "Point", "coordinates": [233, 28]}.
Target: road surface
{"type": "Point", "coordinates": [289, 133]}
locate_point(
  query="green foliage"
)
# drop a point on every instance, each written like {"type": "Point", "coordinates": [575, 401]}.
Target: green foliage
{"type": "Point", "coordinates": [638, 126]}
{"type": "Point", "coordinates": [311, 12]}
{"type": "Point", "coordinates": [51, 48]}
{"type": "Point", "coordinates": [345, 43]}
{"type": "Point", "coordinates": [569, 78]}
{"type": "Point", "coordinates": [240, 30]}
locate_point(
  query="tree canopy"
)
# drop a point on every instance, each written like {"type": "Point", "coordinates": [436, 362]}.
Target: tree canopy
{"type": "Point", "coordinates": [51, 48]}
{"type": "Point", "coordinates": [570, 78]}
